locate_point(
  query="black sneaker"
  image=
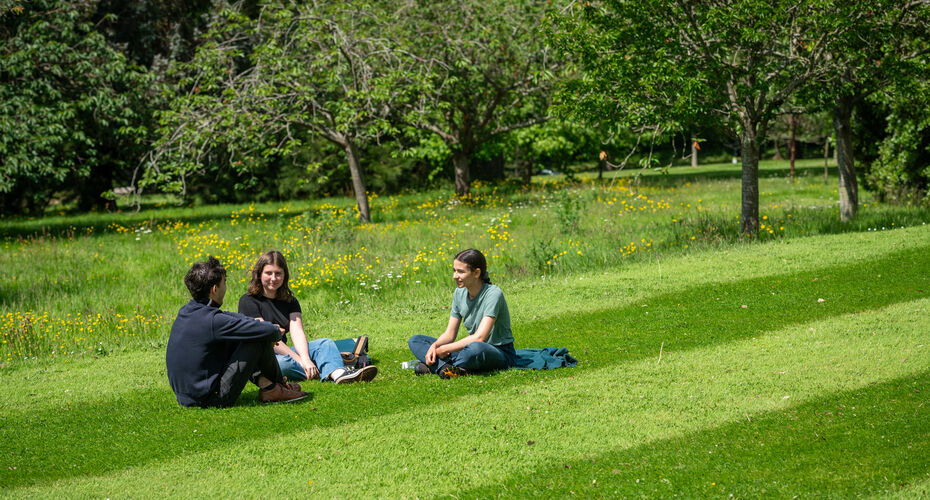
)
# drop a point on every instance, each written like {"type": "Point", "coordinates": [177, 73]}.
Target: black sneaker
{"type": "Point", "coordinates": [451, 371]}
{"type": "Point", "coordinates": [421, 369]}
{"type": "Point", "coordinates": [353, 375]}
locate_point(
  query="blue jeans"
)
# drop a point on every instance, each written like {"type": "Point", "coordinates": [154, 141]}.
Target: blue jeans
{"type": "Point", "coordinates": [324, 354]}
{"type": "Point", "coordinates": [475, 357]}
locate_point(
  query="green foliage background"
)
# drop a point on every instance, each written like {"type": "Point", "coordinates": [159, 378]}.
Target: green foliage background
{"type": "Point", "coordinates": [83, 86]}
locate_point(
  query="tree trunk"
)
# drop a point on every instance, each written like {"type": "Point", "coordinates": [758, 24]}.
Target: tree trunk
{"type": "Point", "coordinates": [849, 186]}
{"type": "Point", "coordinates": [792, 145]}
{"type": "Point", "coordinates": [826, 159]}
{"type": "Point", "coordinates": [694, 152]}
{"type": "Point", "coordinates": [527, 171]}
{"type": "Point", "coordinates": [358, 182]}
{"type": "Point", "coordinates": [777, 156]}
{"type": "Point", "coordinates": [460, 159]}
{"type": "Point", "coordinates": [524, 166]}
{"type": "Point", "coordinates": [749, 212]}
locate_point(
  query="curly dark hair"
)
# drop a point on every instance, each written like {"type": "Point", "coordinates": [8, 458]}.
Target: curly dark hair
{"type": "Point", "coordinates": [203, 276]}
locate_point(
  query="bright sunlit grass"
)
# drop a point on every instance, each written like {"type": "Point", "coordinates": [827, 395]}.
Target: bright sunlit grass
{"type": "Point", "coordinates": [709, 366]}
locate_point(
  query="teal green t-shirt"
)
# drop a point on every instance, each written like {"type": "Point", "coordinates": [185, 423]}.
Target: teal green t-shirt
{"type": "Point", "coordinates": [489, 302]}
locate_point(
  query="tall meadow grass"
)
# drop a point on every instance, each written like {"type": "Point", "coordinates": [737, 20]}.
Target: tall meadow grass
{"type": "Point", "coordinates": [89, 285]}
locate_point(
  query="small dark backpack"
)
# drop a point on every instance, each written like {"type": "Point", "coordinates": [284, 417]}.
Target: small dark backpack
{"type": "Point", "coordinates": [358, 357]}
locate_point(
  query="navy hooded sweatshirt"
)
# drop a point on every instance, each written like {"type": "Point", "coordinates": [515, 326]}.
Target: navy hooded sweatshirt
{"type": "Point", "coordinates": [202, 339]}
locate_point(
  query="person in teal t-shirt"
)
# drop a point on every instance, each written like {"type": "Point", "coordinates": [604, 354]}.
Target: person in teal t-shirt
{"type": "Point", "coordinates": [481, 307]}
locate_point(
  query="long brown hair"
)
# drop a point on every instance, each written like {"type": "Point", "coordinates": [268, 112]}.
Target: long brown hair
{"type": "Point", "coordinates": [271, 258]}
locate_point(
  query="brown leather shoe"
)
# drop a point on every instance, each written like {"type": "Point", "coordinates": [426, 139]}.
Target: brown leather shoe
{"type": "Point", "coordinates": [294, 386]}
{"type": "Point", "coordinates": [280, 393]}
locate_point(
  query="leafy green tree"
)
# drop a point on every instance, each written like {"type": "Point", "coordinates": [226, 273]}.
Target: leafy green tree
{"type": "Point", "coordinates": [72, 108]}
{"type": "Point", "coordinates": [471, 71]}
{"type": "Point", "coordinates": [877, 45]}
{"type": "Point", "coordinates": [733, 62]}
{"type": "Point", "coordinates": [901, 171]}
{"type": "Point", "coordinates": [153, 32]}
{"type": "Point", "coordinates": [554, 144]}
{"type": "Point", "coordinates": [259, 85]}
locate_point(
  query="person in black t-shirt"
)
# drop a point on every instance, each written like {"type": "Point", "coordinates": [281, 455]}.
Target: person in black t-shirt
{"type": "Point", "coordinates": [211, 353]}
{"type": "Point", "coordinates": [269, 298]}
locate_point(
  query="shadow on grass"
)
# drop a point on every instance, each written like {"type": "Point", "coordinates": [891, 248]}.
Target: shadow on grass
{"type": "Point", "coordinates": [144, 426]}
{"type": "Point", "coordinates": [712, 314]}
{"type": "Point", "coordinates": [874, 439]}
{"type": "Point", "coordinates": [679, 175]}
{"type": "Point", "coordinates": [91, 223]}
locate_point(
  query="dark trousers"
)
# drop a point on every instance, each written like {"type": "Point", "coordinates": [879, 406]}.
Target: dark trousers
{"type": "Point", "coordinates": [475, 357]}
{"type": "Point", "coordinates": [248, 361]}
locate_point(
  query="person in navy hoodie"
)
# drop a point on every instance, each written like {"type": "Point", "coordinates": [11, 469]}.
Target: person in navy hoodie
{"type": "Point", "coordinates": [212, 353]}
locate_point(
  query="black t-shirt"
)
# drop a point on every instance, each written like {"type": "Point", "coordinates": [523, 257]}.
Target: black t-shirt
{"type": "Point", "coordinates": [273, 310]}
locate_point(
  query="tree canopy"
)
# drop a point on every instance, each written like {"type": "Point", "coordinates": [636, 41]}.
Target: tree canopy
{"type": "Point", "coordinates": [731, 61]}
{"type": "Point", "coordinates": [217, 99]}
{"type": "Point", "coordinates": [260, 85]}
{"type": "Point", "coordinates": [73, 109]}
{"type": "Point", "coordinates": [473, 71]}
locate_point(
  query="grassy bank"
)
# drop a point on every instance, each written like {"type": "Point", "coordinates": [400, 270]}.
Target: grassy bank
{"type": "Point", "coordinates": [91, 286]}
{"type": "Point", "coordinates": [709, 366]}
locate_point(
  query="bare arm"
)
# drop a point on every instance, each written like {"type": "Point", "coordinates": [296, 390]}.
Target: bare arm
{"type": "Point", "coordinates": [447, 337]}
{"type": "Point", "coordinates": [300, 344]}
{"type": "Point", "coordinates": [282, 349]}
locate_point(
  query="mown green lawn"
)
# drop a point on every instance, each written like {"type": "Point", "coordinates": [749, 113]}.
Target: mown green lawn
{"type": "Point", "coordinates": [794, 366]}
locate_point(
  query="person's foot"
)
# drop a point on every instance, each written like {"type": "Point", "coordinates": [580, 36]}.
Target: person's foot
{"type": "Point", "coordinates": [351, 375]}
{"type": "Point", "coordinates": [294, 386]}
{"type": "Point", "coordinates": [449, 370]}
{"type": "Point", "coordinates": [280, 393]}
{"type": "Point", "coordinates": [421, 369]}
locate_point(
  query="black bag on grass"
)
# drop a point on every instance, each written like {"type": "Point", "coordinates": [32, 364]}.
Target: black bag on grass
{"type": "Point", "coordinates": [357, 357]}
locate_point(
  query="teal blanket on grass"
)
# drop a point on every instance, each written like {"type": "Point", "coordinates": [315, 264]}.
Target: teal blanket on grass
{"type": "Point", "coordinates": [546, 358]}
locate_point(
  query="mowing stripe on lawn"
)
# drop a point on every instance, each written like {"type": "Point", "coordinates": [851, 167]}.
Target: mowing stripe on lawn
{"type": "Point", "coordinates": [870, 439]}
{"type": "Point", "coordinates": [717, 312]}
{"type": "Point", "coordinates": [93, 414]}
{"type": "Point", "coordinates": [616, 410]}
